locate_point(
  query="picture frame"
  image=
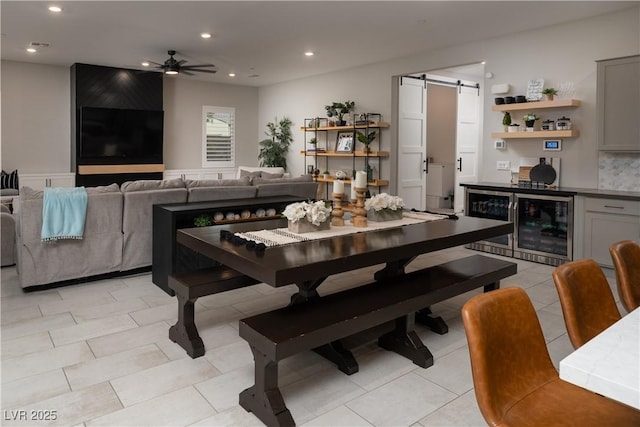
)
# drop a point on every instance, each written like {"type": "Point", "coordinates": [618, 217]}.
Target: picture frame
{"type": "Point", "coordinates": [345, 142]}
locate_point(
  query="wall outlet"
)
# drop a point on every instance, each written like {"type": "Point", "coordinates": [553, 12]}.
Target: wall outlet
{"type": "Point", "coordinates": [503, 165]}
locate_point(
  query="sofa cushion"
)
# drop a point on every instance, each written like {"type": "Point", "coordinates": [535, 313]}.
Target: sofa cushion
{"type": "Point", "coordinates": [218, 182]}
{"type": "Point", "coordinates": [210, 194]}
{"type": "Point", "coordinates": [9, 192]}
{"type": "Point", "coordinates": [267, 175]}
{"type": "Point", "coordinates": [302, 178]}
{"type": "Point", "coordinates": [151, 184]}
{"type": "Point", "coordinates": [250, 175]}
{"type": "Point", "coordinates": [9, 180]}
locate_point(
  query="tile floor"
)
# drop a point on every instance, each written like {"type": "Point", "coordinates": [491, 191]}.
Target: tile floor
{"type": "Point", "coordinates": [98, 354]}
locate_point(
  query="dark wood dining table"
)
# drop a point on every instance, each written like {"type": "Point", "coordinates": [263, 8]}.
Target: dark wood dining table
{"type": "Point", "coordinates": [307, 264]}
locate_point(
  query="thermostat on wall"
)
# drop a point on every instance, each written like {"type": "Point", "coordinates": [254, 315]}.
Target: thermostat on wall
{"type": "Point", "coordinates": [552, 145]}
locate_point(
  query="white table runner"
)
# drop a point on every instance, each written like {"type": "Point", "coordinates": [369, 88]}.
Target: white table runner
{"type": "Point", "coordinates": [282, 236]}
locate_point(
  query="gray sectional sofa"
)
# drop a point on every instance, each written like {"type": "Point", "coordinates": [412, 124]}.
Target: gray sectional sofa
{"type": "Point", "coordinates": [118, 225]}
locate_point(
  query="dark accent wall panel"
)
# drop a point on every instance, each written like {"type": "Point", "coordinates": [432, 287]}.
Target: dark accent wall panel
{"type": "Point", "coordinates": [108, 87]}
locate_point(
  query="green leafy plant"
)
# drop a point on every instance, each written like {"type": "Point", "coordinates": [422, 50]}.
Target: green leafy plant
{"type": "Point", "coordinates": [530, 117]}
{"type": "Point", "coordinates": [273, 150]}
{"type": "Point", "coordinates": [313, 141]}
{"type": "Point", "coordinates": [326, 172]}
{"type": "Point", "coordinates": [506, 119]}
{"type": "Point", "coordinates": [339, 109]}
{"type": "Point", "coordinates": [366, 139]}
{"type": "Point", "coordinates": [203, 220]}
{"type": "Point", "coordinates": [550, 91]}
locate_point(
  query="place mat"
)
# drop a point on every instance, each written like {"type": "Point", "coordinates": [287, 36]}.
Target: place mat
{"type": "Point", "coordinates": [282, 236]}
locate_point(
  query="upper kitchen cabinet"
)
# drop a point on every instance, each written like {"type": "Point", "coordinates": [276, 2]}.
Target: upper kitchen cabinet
{"type": "Point", "coordinates": [618, 104]}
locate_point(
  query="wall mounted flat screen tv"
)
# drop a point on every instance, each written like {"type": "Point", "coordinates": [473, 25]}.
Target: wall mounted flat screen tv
{"type": "Point", "coordinates": [112, 135]}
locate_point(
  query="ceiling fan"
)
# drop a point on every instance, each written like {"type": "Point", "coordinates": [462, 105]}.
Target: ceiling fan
{"type": "Point", "coordinates": [173, 66]}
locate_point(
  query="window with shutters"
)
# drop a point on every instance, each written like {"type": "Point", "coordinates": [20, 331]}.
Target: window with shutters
{"type": "Point", "coordinates": [218, 137]}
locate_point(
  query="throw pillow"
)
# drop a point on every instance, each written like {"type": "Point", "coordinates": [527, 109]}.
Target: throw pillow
{"type": "Point", "coordinates": [9, 180]}
{"type": "Point", "coordinates": [267, 175]}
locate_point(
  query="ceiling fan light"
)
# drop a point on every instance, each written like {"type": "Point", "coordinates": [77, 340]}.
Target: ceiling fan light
{"type": "Point", "coordinates": [171, 72]}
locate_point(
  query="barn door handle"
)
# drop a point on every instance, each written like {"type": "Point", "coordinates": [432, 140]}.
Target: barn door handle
{"type": "Point", "coordinates": [460, 164]}
{"type": "Point", "coordinates": [426, 166]}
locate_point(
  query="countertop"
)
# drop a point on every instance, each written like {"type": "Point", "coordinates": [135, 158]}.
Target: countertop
{"type": "Point", "coordinates": [559, 191]}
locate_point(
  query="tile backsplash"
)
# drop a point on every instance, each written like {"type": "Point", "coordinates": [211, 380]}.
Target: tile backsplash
{"type": "Point", "coordinates": [619, 171]}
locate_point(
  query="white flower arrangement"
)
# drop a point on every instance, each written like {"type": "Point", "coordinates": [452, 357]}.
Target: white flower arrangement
{"type": "Point", "coordinates": [384, 201]}
{"type": "Point", "coordinates": [314, 212]}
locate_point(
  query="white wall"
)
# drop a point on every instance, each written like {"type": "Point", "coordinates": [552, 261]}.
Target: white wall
{"type": "Point", "coordinates": [36, 120]}
{"type": "Point", "coordinates": [564, 53]}
{"type": "Point", "coordinates": [36, 124]}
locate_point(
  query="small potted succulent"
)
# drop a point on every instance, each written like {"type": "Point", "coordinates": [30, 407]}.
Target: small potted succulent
{"type": "Point", "coordinates": [549, 93]}
{"type": "Point", "coordinates": [506, 120]}
{"type": "Point", "coordinates": [326, 174]}
{"type": "Point", "coordinates": [529, 120]}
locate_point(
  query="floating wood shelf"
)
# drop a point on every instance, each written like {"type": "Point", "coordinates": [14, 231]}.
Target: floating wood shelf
{"type": "Point", "coordinates": [558, 103]}
{"type": "Point", "coordinates": [115, 169]}
{"type": "Point", "coordinates": [537, 134]}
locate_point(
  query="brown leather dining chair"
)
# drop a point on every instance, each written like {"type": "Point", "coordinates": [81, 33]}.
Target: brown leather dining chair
{"type": "Point", "coordinates": [587, 302]}
{"type": "Point", "coordinates": [626, 261]}
{"type": "Point", "coordinates": [515, 381]}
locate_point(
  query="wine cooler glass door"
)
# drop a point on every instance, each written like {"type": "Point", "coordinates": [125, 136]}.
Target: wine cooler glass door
{"type": "Point", "coordinates": [491, 205]}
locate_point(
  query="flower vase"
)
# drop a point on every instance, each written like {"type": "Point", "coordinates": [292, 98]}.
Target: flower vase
{"type": "Point", "coordinates": [384, 215]}
{"type": "Point", "coordinates": [304, 226]}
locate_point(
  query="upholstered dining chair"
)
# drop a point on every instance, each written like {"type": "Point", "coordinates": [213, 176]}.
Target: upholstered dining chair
{"type": "Point", "coordinates": [515, 381]}
{"type": "Point", "coordinates": [587, 302]}
{"type": "Point", "coordinates": [626, 261]}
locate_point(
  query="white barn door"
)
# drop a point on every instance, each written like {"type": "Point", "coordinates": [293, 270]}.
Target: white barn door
{"type": "Point", "coordinates": [467, 142]}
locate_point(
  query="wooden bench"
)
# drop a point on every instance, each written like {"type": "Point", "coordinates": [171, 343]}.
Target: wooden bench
{"type": "Point", "coordinates": [188, 288]}
{"type": "Point", "coordinates": [276, 335]}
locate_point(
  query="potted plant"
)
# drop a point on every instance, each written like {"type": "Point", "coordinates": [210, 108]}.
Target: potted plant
{"type": "Point", "coordinates": [384, 207]}
{"type": "Point", "coordinates": [308, 216]}
{"type": "Point", "coordinates": [529, 120]}
{"type": "Point", "coordinates": [326, 174]}
{"type": "Point", "coordinates": [313, 142]}
{"type": "Point", "coordinates": [506, 120]}
{"type": "Point", "coordinates": [549, 93]}
{"type": "Point", "coordinates": [273, 150]}
{"type": "Point", "coordinates": [338, 110]}
{"type": "Point", "coordinates": [366, 139]}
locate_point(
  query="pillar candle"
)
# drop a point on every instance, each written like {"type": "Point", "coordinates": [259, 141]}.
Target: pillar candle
{"type": "Point", "coordinates": [353, 191]}
{"type": "Point", "coordinates": [338, 186]}
{"type": "Point", "coordinates": [361, 179]}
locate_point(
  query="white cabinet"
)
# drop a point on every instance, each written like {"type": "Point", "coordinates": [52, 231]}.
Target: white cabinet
{"type": "Point", "coordinates": [607, 221]}
{"type": "Point", "coordinates": [38, 181]}
{"type": "Point", "coordinates": [440, 180]}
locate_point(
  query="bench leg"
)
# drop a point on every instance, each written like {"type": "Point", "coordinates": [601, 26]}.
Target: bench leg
{"type": "Point", "coordinates": [404, 341]}
{"type": "Point", "coordinates": [336, 353]}
{"type": "Point", "coordinates": [264, 398]}
{"type": "Point", "coordinates": [307, 290]}
{"type": "Point", "coordinates": [184, 332]}
{"type": "Point", "coordinates": [436, 324]}
{"type": "Point", "coordinates": [392, 269]}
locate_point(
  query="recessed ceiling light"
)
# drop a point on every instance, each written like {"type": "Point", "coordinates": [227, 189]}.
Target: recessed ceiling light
{"type": "Point", "coordinates": [232, 74]}
{"type": "Point", "coordinates": [145, 64]}
{"type": "Point", "coordinates": [31, 50]}
{"type": "Point", "coordinates": [309, 53]}
{"type": "Point", "coordinates": [55, 9]}
{"type": "Point", "coordinates": [205, 35]}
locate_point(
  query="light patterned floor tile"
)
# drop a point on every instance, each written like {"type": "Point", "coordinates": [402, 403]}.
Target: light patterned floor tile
{"type": "Point", "coordinates": [177, 408]}
{"type": "Point", "coordinates": [33, 326]}
{"type": "Point", "coordinates": [461, 412]}
{"type": "Point", "coordinates": [402, 401]}
{"type": "Point", "coordinates": [92, 329]}
{"type": "Point", "coordinates": [86, 313]}
{"type": "Point", "coordinates": [25, 345]}
{"type": "Point", "coordinates": [118, 365]}
{"type": "Point", "coordinates": [126, 340]}
{"type": "Point", "coordinates": [338, 417]}
{"type": "Point", "coordinates": [230, 357]}
{"type": "Point", "coordinates": [43, 361]}
{"type": "Point", "coordinates": [379, 367]}
{"type": "Point", "coordinates": [68, 305]}
{"type": "Point", "coordinates": [9, 316]}
{"type": "Point", "coordinates": [24, 391]}
{"type": "Point", "coordinates": [451, 371]}
{"type": "Point", "coordinates": [85, 290]}
{"type": "Point", "coordinates": [139, 290]}
{"type": "Point", "coordinates": [156, 381]}
{"type": "Point", "coordinates": [74, 407]}
{"type": "Point", "coordinates": [236, 417]}
{"type": "Point", "coordinates": [222, 391]}
{"type": "Point", "coordinates": [28, 299]}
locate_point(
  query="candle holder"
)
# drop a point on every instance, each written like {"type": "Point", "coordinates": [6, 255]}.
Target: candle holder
{"type": "Point", "coordinates": [359, 214]}
{"type": "Point", "coordinates": [337, 213]}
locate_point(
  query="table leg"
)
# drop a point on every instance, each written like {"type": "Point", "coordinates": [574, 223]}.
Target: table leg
{"type": "Point", "coordinates": [394, 268]}
{"type": "Point", "coordinates": [184, 332]}
{"type": "Point", "coordinates": [264, 398]}
{"type": "Point", "coordinates": [307, 290]}
{"type": "Point", "coordinates": [404, 341]}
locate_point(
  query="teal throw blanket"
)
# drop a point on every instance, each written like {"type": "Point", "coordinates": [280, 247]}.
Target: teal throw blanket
{"type": "Point", "coordinates": [63, 213]}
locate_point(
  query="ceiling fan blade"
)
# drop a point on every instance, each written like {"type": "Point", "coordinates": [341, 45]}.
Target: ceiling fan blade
{"type": "Point", "coordinates": [200, 65]}
{"type": "Point", "coordinates": [200, 71]}
{"type": "Point", "coordinates": [182, 61]}
{"type": "Point", "coordinates": [155, 63]}
{"type": "Point", "coordinates": [186, 73]}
